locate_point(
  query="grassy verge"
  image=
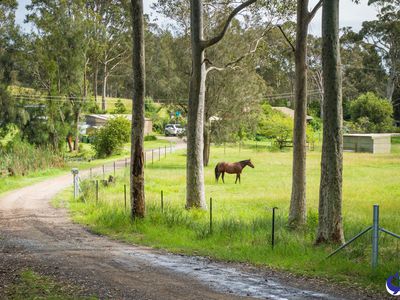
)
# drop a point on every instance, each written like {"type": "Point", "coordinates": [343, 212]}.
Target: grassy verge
{"type": "Point", "coordinates": [14, 182]}
{"type": "Point", "coordinates": [31, 285]}
{"type": "Point", "coordinates": [242, 214]}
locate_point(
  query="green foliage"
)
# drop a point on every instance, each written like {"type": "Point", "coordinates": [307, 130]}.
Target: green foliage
{"type": "Point", "coordinates": [21, 158]}
{"type": "Point", "coordinates": [150, 137]}
{"type": "Point", "coordinates": [274, 124]}
{"type": "Point", "coordinates": [120, 107]}
{"type": "Point", "coordinates": [370, 113]}
{"type": "Point", "coordinates": [110, 138]}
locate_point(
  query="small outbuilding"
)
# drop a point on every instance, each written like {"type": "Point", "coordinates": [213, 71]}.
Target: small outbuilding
{"type": "Point", "coordinates": [371, 142]}
{"type": "Point", "coordinates": [99, 120]}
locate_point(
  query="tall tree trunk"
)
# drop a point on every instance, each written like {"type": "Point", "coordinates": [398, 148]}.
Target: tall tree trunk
{"type": "Point", "coordinates": [390, 86]}
{"type": "Point", "coordinates": [207, 142]}
{"type": "Point", "coordinates": [96, 73]}
{"type": "Point", "coordinates": [330, 228]}
{"type": "Point", "coordinates": [195, 194]}
{"type": "Point", "coordinates": [297, 214]}
{"type": "Point", "coordinates": [77, 115]}
{"type": "Point", "coordinates": [137, 157]}
{"type": "Point", "coordinates": [104, 93]}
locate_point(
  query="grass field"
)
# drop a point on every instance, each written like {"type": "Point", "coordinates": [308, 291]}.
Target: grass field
{"type": "Point", "coordinates": [242, 214]}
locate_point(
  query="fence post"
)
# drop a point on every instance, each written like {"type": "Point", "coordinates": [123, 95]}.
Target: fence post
{"type": "Point", "coordinates": [114, 168]}
{"type": "Point", "coordinates": [375, 236]}
{"type": "Point", "coordinates": [97, 191]}
{"type": "Point", "coordinates": [103, 173]}
{"type": "Point", "coordinates": [211, 208]}
{"type": "Point", "coordinates": [126, 162]}
{"type": "Point", "coordinates": [75, 173]}
{"type": "Point", "coordinates": [125, 195]}
{"type": "Point", "coordinates": [273, 227]}
{"type": "Point", "coordinates": [162, 201]}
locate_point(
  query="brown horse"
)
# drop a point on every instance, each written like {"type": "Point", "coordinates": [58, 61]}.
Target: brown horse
{"type": "Point", "coordinates": [231, 168]}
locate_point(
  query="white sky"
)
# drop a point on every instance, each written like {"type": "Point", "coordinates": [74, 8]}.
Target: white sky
{"type": "Point", "coordinates": [350, 14]}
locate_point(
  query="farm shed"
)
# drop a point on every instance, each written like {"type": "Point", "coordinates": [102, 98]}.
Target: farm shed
{"type": "Point", "coordinates": [99, 120]}
{"type": "Point", "coordinates": [372, 143]}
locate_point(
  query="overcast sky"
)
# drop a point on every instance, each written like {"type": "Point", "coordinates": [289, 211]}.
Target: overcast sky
{"type": "Point", "coordinates": [350, 14]}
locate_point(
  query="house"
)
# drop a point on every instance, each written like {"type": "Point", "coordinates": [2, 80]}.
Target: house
{"type": "Point", "coordinates": [289, 112]}
{"type": "Point", "coordinates": [99, 120]}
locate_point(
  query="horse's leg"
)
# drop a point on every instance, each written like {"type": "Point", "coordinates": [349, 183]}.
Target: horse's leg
{"type": "Point", "coordinates": [223, 174]}
{"type": "Point", "coordinates": [237, 177]}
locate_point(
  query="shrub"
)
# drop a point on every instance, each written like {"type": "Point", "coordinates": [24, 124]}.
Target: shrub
{"type": "Point", "coordinates": [274, 124]}
{"type": "Point", "coordinates": [369, 113]}
{"type": "Point", "coordinates": [20, 158]}
{"type": "Point", "coordinates": [150, 137]}
{"type": "Point", "coordinates": [110, 138]}
{"type": "Point", "coordinates": [120, 107]}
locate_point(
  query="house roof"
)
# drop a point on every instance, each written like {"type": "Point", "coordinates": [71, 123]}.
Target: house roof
{"type": "Point", "coordinates": [288, 112]}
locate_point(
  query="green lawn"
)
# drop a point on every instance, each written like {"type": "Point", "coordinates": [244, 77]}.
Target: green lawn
{"type": "Point", "coordinates": [242, 214]}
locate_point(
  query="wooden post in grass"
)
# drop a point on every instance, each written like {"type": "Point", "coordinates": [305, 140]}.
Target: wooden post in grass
{"type": "Point", "coordinates": [114, 169]}
{"type": "Point", "coordinates": [273, 227]}
{"type": "Point", "coordinates": [125, 195]}
{"type": "Point", "coordinates": [126, 162]}
{"type": "Point", "coordinates": [103, 172]}
{"type": "Point", "coordinates": [211, 228]}
{"type": "Point", "coordinates": [162, 201]}
{"type": "Point", "coordinates": [97, 191]}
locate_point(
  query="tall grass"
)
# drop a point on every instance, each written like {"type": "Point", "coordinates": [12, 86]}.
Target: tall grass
{"type": "Point", "coordinates": [242, 214]}
{"type": "Point", "coordinates": [21, 158]}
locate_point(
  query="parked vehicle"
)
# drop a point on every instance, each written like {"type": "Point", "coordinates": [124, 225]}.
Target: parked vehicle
{"type": "Point", "coordinates": [174, 129]}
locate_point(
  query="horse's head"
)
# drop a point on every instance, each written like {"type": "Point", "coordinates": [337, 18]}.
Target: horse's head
{"type": "Point", "coordinates": [249, 163]}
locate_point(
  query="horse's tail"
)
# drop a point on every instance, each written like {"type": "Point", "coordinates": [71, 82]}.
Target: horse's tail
{"type": "Point", "coordinates": [217, 173]}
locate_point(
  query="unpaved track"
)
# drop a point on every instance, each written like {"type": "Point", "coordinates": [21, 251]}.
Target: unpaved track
{"type": "Point", "coordinates": [35, 235]}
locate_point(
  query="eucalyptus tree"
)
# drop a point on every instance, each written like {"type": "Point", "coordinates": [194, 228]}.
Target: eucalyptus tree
{"type": "Point", "coordinates": [330, 228]}
{"type": "Point", "coordinates": [137, 157]}
{"type": "Point", "coordinates": [384, 34]}
{"type": "Point", "coordinates": [59, 51]}
{"type": "Point", "coordinates": [297, 213]}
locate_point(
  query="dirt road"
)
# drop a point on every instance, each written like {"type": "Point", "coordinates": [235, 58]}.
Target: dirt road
{"type": "Point", "coordinates": [33, 234]}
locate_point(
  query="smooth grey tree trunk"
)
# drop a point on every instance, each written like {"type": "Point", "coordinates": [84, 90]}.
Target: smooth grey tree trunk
{"type": "Point", "coordinates": [207, 142]}
{"type": "Point", "coordinates": [297, 212]}
{"type": "Point", "coordinates": [330, 228]}
{"type": "Point", "coordinates": [137, 157]}
{"type": "Point", "coordinates": [96, 73]}
{"type": "Point", "coordinates": [195, 193]}
{"type": "Point", "coordinates": [104, 93]}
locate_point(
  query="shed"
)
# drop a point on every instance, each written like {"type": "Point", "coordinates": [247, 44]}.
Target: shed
{"type": "Point", "coordinates": [99, 120]}
{"type": "Point", "coordinates": [371, 142]}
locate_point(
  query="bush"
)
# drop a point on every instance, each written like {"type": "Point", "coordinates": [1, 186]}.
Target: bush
{"type": "Point", "coordinates": [274, 124]}
{"type": "Point", "coordinates": [369, 113]}
{"type": "Point", "coordinates": [21, 158]}
{"type": "Point", "coordinates": [120, 107]}
{"type": "Point", "coordinates": [110, 138]}
{"type": "Point", "coordinates": [150, 137]}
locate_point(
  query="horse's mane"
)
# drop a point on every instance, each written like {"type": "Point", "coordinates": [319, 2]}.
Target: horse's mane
{"type": "Point", "coordinates": [243, 162]}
